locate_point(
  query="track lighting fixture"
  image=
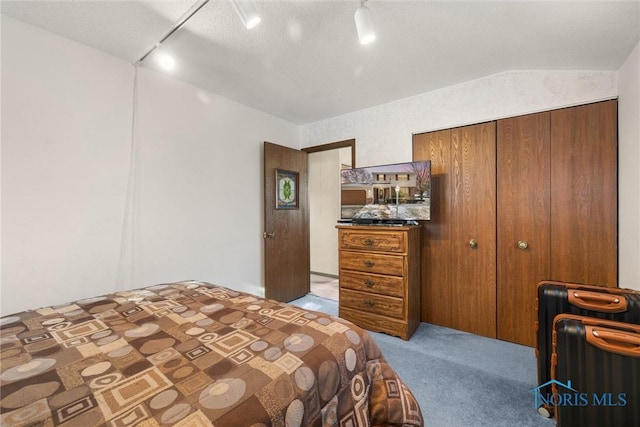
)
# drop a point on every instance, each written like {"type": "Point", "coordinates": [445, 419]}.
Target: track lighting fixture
{"type": "Point", "coordinates": [247, 12]}
{"type": "Point", "coordinates": [364, 24]}
{"type": "Point", "coordinates": [166, 61]}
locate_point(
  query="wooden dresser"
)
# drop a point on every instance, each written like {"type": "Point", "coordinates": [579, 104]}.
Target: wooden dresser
{"type": "Point", "coordinates": [380, 277]}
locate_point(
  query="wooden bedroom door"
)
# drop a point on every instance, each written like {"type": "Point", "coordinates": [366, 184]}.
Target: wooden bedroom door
{"type": "Point", "coordinates": [286, 227]}
{"type": "Point", "coordinates": [524, 215]}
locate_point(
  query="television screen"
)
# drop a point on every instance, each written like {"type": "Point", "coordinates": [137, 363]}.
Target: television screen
{"type": "Point", "coordinates": [399, 192]}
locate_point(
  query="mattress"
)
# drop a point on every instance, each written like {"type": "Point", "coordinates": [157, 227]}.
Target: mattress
{"type": "Point", "coordinates": [194, 354]}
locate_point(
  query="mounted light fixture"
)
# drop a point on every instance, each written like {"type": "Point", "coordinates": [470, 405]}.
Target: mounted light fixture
{"type": "Point", "coordinates": [364, 24]}
{"type": "Point", "coordinates": [166, 61]}
{"type": "Point", "coordinates": [247, 12]}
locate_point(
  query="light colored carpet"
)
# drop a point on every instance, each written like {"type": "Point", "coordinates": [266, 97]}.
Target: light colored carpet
{"type": "Point", "coordinates": [459, 379]}
{"type": "Point", "coordinates": [323, 286]}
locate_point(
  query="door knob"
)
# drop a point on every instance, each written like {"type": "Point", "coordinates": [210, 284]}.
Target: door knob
{"type": "Point", "coordinates": [473, 243]}
{"type": "Point", "coordinates": [268, 235]}
{"type": "Point", "coordinates": [522, 245]}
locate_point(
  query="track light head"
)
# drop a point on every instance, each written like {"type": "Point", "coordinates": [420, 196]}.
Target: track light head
{"type": "Point", "coordinates": [247, 12]}
{"type": "Point", "coordinates": [364, 24]}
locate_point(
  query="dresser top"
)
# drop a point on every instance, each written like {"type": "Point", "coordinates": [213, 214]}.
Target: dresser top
{"type": "Point", "coordinates": [373, 227]}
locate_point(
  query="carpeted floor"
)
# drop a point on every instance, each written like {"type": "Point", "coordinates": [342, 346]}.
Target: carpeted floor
{"type": "Point", "coordinates": [459, 379]}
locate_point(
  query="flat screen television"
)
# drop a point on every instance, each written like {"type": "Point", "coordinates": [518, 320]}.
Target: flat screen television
{"type": "Point", "coordinates": [395, 193]}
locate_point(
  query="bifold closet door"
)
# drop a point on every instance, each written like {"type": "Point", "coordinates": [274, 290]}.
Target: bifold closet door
{"type": "Point", "coordinates": [435, 292]}
{"type": "Point", "coordinates": [435, 252]}
{"type": "Point", "coordinates": [459, 243]}
{"type": "Point", "coordinates": [523, 183]}
{"type": "Point", "coordinates": [473, 228]}
{"type": "Point", "coordinates": [584, 196]}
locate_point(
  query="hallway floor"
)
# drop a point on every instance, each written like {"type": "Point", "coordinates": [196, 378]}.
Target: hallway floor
{"type": "Point", "coordinates": [324, 286]}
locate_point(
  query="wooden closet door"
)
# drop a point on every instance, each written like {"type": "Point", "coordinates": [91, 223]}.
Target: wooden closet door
{"type": "Point", "coordinates": [473, 229]}
{"type": "Point", "coordinates": [523, 182]}
{"type": "Point", "coordinates": [435, 295]}
{"type": "Point", "coordinates": [584, 194]}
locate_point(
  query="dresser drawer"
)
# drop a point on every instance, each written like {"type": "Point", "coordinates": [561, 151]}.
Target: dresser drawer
{"type": "Point", "coordinates": [392, 265]}
{"type": "Point", "coordinates": [372, 303]}
{"type": "Point", "coordinates": [387, 241]}
{"type": "Point", "coordinates": [386, 285]}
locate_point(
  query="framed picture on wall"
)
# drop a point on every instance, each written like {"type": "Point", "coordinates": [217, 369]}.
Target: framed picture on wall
{"type": "Point", "coordinates": [286, 189]}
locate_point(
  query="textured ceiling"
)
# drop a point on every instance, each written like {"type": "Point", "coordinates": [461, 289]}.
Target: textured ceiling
{"type": "Point", "coordinates": [303, 63]}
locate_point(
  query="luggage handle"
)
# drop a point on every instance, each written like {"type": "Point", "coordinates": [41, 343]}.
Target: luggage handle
{"type": "Point", "coordinates": [620, 342]}
{"type": "Point", "coordinates": [598, 301]}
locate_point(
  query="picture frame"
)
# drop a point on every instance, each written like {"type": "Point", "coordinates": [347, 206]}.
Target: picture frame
{"type": "Point", "coordinates": [287, 189]}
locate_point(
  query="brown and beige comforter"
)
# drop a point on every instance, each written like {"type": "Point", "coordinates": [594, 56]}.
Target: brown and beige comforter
{"type": "Point", "coordinates": [194, 354]}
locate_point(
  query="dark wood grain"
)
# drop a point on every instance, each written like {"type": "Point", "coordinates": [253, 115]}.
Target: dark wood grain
{"type": "Point", "coordinates": [584, 194]}
{"type": "Point", "coordinates": [473, 217]}
{"type": "Point", "coordinates": [523, 215]}
{"type": "Point", "coordinates": [459, 282]}
{"type": "Point", "coordinates": [286, 255]}
{"type": "Point", "coordinates": [551, 182]}
{"type": "Point", "coordinates": [435, 289]}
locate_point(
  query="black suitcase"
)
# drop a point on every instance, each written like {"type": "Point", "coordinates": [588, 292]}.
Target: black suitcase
{"type": "Point", "coordinates": [586, 300]}
{"type": "Point", "coordinates": [596, 372]}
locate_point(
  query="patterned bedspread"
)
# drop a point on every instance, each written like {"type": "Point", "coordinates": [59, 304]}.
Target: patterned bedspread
{"type": "Point", "coordinates": [194, 354]}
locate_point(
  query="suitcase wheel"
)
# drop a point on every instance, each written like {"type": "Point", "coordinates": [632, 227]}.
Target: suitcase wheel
{"type": "Point", "coordinates": [545, 411]}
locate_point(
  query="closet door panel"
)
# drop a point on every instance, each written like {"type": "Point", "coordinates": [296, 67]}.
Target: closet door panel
{"type": "Point", "coordinates": [473, 228]}
{"type": "Point", "coordinates": [523, 221]}
{"type": "Point", "coordinates": [435, 255]}
{"type": "Point", "coordinates": [584, 194]}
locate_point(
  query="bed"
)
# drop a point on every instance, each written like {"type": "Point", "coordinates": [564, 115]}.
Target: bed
{"type": "Point", "coordinates": [194, 354]}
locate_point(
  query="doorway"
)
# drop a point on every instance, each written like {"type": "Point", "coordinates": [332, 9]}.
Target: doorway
{"type": "Point", "coordinates": [324, 165]}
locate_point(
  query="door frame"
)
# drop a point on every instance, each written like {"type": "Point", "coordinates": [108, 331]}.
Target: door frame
{"type": "Point", "coordinates": [328, 147]}
{"type": "Point", "coordinates": [334, 146]}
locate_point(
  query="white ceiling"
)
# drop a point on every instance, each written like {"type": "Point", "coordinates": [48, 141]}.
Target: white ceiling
{"type": "Point", "coordinates": [303, 63]}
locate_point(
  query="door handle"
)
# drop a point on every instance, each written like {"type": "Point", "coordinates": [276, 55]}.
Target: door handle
{"type": "Point", "coordinates": [522, 244]}
{"type": "Point", "coordinates": [268, 235]}
{"type": "Point", "coordinates": [473, 243]}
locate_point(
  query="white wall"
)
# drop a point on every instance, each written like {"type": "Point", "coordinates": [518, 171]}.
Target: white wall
{"type": "Point", "coordinates": [384, 132]}
{"type": "Point", "coordinates": [629, 170]}
{"type": "Point", "coordinates": [324, 208]}
{"type": "Point", "coordinates": [66, 115]}
{"type": "Point", "coordinates": [199, 211]}
{"type": "Point", "coordinates": [66, 122]}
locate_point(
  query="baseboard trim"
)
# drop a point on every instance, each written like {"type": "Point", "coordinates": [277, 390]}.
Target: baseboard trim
{"type": "Point", "coordinates": [333, 276]}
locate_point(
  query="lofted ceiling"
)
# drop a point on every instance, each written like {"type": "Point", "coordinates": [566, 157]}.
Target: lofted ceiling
{"type": "Point", "coordinates": [304, 63]}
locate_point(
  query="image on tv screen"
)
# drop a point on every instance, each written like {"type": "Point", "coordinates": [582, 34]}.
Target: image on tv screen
{"type": "Point", "coordinates": [400, 191]}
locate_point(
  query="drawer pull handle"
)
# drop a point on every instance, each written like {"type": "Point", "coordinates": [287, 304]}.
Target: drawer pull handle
{"type": "Point", "coordinates": [369, 283]}
{"type": "Point", "coordinates": [369, 303]}
{"type": "Point", "coordinates": [368, 242]}
{"type": "Point", "coordinates": [369, 263]}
